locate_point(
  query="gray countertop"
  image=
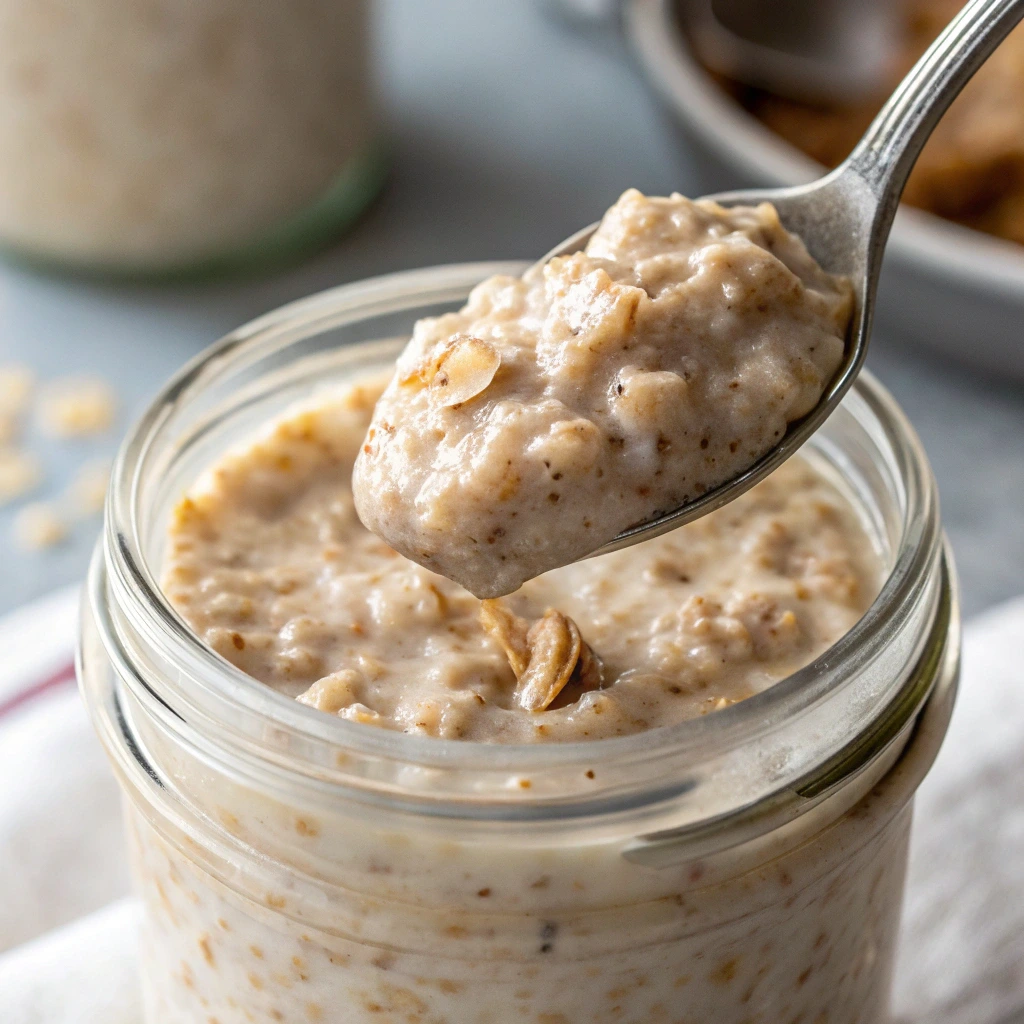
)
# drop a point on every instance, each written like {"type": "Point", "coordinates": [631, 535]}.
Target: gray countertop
{"type": "Point", "coordinates": [510, 129]}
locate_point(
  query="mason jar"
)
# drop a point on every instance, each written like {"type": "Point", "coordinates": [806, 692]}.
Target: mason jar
{"type": "Point", "coordinates": [294, 866]}
{"type": "Point", "coordinates": [169, 138]}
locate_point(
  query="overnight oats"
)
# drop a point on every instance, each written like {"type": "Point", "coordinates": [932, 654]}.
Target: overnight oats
{"type": "Point", "coordinates": [270, 566]}
{"type": "Point", "coordinates": [599, 390]}
{"type": "Point", "coordinates": [668, 784]}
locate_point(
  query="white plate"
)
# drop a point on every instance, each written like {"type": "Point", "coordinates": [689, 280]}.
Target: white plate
{"type": "Point", "coordinates": [946, 286]}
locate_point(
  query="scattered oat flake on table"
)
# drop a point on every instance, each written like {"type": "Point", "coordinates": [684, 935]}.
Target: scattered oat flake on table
{"type": "Point", "coordinates": [20, 473]}
{"type": "Point", "coordinates": [16, 384]}
{"type": "Point", "coordinates": [88, 490]}
{"type": "Point", "coordinates": [38, 526]}
{"type": "Point", "coordinates": [10, 428]}
{"type": "Point", "coordinates": [76, 406]}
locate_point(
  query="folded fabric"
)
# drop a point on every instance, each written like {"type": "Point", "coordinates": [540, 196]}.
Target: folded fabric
{"type": "Point", "coordinates": [38, 641]}
{"type": "Point", "coordinates": [82, 973]}
{"type": "Point", "coordinates": [61, 841]}
{"type": "Point", "coordinates": [961, 957]}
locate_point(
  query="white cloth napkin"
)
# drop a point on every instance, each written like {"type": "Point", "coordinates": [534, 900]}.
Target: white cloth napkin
{"type": "Point", "coordinates": [961, 958]}
{"type": "Point", "coordinates": [81, 973]}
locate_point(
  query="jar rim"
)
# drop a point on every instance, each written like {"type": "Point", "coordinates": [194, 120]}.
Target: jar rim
{"type": "Point", "coordinates": [252, 717]}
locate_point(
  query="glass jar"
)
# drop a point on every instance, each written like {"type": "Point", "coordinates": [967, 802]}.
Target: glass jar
{"type": "Point", "coordinates": [162, 138]}
{"type": "Point", "coordinates": [294, 866]}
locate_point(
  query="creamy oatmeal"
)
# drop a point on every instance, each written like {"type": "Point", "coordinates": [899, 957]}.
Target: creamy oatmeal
{"type": "Point", "coordinates": [269, 564]}
{"type": "Point", "coordinates": [411, 924]}
{"type": "Point", "coordinates": [598, 390]}
{"type": "Point", "coordinates": [743, 866]}
{"type": "Point", "coordinates": [425, 929]}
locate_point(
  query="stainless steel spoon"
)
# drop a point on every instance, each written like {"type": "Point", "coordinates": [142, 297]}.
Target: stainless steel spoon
{"type": "Point", "coordinates": [844, 219]}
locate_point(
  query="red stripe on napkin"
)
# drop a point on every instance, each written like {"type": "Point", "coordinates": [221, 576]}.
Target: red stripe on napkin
{"type": "Point", "coordinates": [63, 675]}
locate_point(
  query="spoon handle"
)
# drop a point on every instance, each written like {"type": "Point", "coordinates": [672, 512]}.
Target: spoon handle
{"type": "Point", "coordinates": [885, 155]}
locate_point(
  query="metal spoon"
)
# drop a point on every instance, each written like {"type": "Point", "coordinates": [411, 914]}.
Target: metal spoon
{"type": "Point", "coordinates": [844, 219]}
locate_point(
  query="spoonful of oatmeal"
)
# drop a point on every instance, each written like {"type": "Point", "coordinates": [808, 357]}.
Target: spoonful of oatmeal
{"type": "Point", "coordinates": [652, 367]}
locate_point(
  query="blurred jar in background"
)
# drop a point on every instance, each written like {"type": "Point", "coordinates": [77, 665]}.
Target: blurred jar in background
{"type": "Point", "coordinates": [182, 136]}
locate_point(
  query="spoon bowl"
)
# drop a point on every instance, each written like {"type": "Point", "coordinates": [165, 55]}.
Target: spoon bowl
{"type": "Point", "coordinates": [844, 220]}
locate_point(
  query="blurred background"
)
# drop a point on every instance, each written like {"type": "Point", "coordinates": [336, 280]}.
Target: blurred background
{"type": "Point", "coordinates": [251, 162]}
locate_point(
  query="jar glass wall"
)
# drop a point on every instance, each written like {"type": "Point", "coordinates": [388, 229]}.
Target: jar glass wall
{"type": "Point", "coordinates": [154, 139]}
{"type": "Point", "coordinates": [296, 866]}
